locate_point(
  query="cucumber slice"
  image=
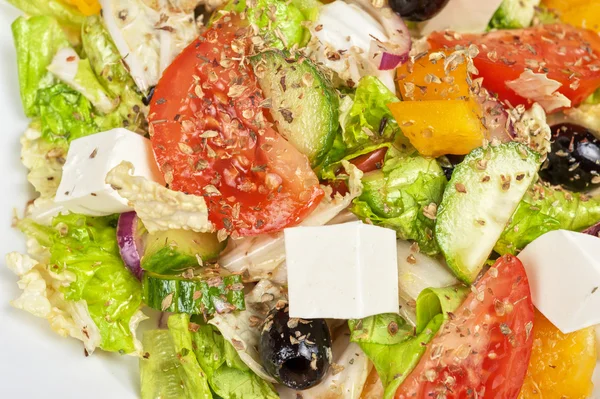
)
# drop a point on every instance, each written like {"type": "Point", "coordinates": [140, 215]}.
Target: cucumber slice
{"type": "Point", "coordinates": [172, 251]}
{"type": "Point", "coordinates": [197, 295]}
{"type": "Point", "coordinates": [161, 372]}
{"type": "Point", "coordinates": [305, 107]}
{"type": "Point", "coordinates": [478, 202]}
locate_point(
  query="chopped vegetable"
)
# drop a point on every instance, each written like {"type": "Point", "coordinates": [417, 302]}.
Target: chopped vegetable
{"type": "Point", "coordinates": [436, 76]}
{"type": "Point", "coordinates": [206, 293]}
{"type": "Point", "coordinates": [404, 196]}
{"type": "Point", "coordinates": [195, 383]}
{"type": "Point", "coordinates": [258, 184]}
{"type": "Point", "coordinates": [130, 236]}
{"type": "Point", "coordinates": [560, 363]}
{"type": "Point", "coordinates": [86, 249]}
{"type": "Point", "coordinates": [466, 359]}
{"type": "Point", "coordinates": [440, 127]}
{"type": "Point", "coordinates": [545, 209]}
{"type": "Point", "coordinates": [63, 13]}
{"type": "Point", "coordinates": [37, 40]}
{"type": "Point", "coordinates": [393, 345]}
{"type": "Point", "coordinates": [511, 52]}
{"type": "Point", "coordinates": [367, 120]}
{"type": "Point", "coordinates": [87, 7]}
{"type": "Point", "coordinates": [514, 14]}
{"type": "Point", "coordinates": [484, 192]}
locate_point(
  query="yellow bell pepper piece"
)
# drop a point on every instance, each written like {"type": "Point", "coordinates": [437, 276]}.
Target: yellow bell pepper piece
{"type": "Point", "coordinates": [427, 79]}
{"type": "Point", "coordinates": [583, 16]}
{"type": "Point", "coordinates": [440, 127]}
{"type": "Point", "coordinates": [561, 365]}
{"type": "Point", "coordinates": [87, 7]}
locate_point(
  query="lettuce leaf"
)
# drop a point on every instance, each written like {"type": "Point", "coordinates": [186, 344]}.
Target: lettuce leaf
{"type": "Point", "coordinates": [279, 22]}
{"type": "Point", "coordinates": [106, 62]}
{"type": "Point", "coordinates": [404, 196]}
{"type": "Point", "coordinates": [37, 39]}
{"type": "Point", "coordinates": [367, 120]}
{"type": "Point", "coordinates": [85, 249]}
{"type": "Point", "coordinates": [65, 114]}
{"type": "Point", "coordinates": [161, 371]}
{"type": "Point", "coordinates": [392, 344]}
{"type": "Point", "coordinates": [545, 209]}
{"type": "Point", "coordinates": [228, 375]}
{"type": "Point", "coordinates": [65, 14]}
{"type": "Point", "coordinates": [195, 383]}
{"type": "Point", "coordinates": [212, 364]}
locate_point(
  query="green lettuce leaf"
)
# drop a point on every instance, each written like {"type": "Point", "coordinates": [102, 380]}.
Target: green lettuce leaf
{"type": "Point", "coordinates": [85, 248]}
{"type": "Point", "coordinates": [65, 114]}
{"type": "Point", "coordinates": [161, 372]}
{"type": "Point", "coordinates": [105, 60]}
{"type": "Point", "coordinates": [513, 14]}
{"type": "Point", "coordinates": [65, 14]}
{"type": "Point", "coordinates": [212, 364]}
{"type": "Point", "coordinates": [37, 39]}
{"type": "Point", "coordinates": [404, 196]}
{"type": "Point", "coordinates": [195, 382]}
{"type": "Point", "coordinates": [367, 119]}
{"type": "Point", "coordinates": [280, 22]}
{"type": "Point", "coordinates": [228, 375]}
{"type": "Point", "coordinates": [544, 209]}
{"type": "Point", "coordinates": [78, 74]}
{"type": "Point", "coordinates": [392, 344]}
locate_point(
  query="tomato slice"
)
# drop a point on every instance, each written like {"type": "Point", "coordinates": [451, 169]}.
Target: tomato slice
{"type": "Point", "coordinates": [483, 350]}
{"type": "Point", "coordinates": [567, 54]}
{"type": "Point", "coordinates": [211, 138]}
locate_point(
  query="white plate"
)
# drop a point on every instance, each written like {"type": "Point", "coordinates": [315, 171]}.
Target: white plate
{"type": "Point", "coordinates": [34, 361]}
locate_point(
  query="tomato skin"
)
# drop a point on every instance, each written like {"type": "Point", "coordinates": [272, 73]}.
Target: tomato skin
{"type": "Point", "coordinates": [483, 350]}
{"type": "Point", "coordinates": [211, 138]}
{"type": "Point", "coordinates": [505, 54]}
{"type": "Point", "coordinates": [365, 163]}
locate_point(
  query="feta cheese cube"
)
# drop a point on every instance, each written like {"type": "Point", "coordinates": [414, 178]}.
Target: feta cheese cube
{"type": "Point", "coordinates": [83, 189]}
{"type": "Point", "coordinates": [563, 268]}
{"type": "Point", "coordinates": [345, 271]}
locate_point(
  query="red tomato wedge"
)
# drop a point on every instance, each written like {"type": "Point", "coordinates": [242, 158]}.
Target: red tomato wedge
{"type": "Point", "coordinates": [567, 54]}
{"type": "Point", "coordinates": [483, 350]}
{"type": "Point", "coordinates": [211, 138]}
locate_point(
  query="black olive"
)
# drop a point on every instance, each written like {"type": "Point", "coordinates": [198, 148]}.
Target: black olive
{"type": "Point", "coordinates": [449, 163]}
{"type": "Point", "coordinates": [418, 10]}
{"type": "Point", "coordinates": [574, 159]}
{"type": "Point", "coordinates": [296, 352]}
{"type": "Point", "coordinates": [146, 100]}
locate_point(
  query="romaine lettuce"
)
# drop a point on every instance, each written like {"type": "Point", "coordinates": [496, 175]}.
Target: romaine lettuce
{"type": "Point", "coordinates": [393, 345]}
{"type": "Point", "coordinates": [37, 39]}
{"type": "Point", "coordinates": [85, 249]}
{"type": "Point", "coordinates": [228, 375]}
{"type": "Point", "coordinates": [112, 74]}
{"type": "Point", "coordinates": [212, 364]}
{"type": "Point", "coordinates": [195, 383]}
{"type": "Point", "coordinates": [65, 114]}
{"type": "Point", "coordinates": [544, 209]}
{"type": "Point", "coordinates": [404, 196]}
{"type": "Point", "coordinates": [65, 14]}
{"type": "Point", "coordinates": [280, 22]}
{"type": "Point", "coordinates": [161, 372]}
{"type": "Point", "coordinates": [514, 14]}
{"type": "Point", "coordinates": [366, 120]}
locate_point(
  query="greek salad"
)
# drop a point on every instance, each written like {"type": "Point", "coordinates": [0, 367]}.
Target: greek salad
{"type": "Point", "coordinates": [338, 199]}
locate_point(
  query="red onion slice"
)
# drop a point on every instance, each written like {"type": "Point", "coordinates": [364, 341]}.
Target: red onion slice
{"type": "Point", "coordinates": [130, 237]}
{"type": "Point", "coordinates": [593, 230]}
{"type": "Point", "coordinates": [395, 51]}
